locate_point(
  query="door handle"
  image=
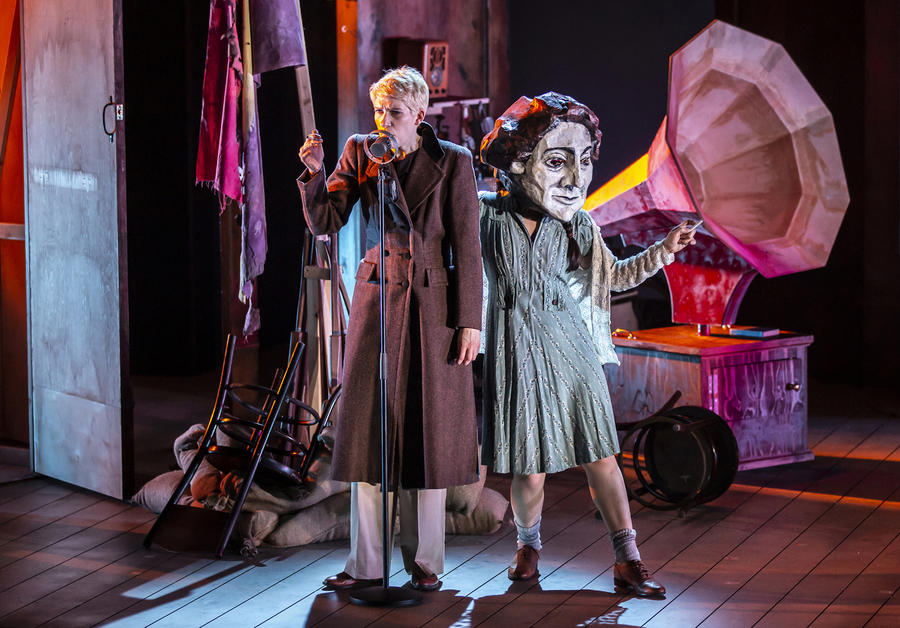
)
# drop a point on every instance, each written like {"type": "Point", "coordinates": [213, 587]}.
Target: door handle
{"type": "Point", "coordinates": [120, 115]}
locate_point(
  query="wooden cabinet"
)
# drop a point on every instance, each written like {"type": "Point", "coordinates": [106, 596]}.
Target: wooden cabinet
{"type": "Point", "coordinates": [757, 386]}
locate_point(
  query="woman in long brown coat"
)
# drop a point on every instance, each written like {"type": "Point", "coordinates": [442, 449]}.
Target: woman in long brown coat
{"type": "Point", "coordinates": [433, 312]}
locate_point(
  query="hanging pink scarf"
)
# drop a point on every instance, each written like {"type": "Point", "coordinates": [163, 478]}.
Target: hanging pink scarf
{"type": "Point", "coordinates": [219, 155]}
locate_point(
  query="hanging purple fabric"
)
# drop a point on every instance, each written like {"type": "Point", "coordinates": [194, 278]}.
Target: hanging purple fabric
{"type": "Point", "coordinates": [276, 38]}
{"type": "Point", "coordinates": [222, 155]}
{"type": "Point", "coordinates": [253, 223]}
{"type": "Point", "coordinates": [276, 41]}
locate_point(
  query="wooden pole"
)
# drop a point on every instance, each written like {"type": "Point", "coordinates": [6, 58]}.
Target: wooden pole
{"type": "Point", "coordinates": [304, 92]}
{"type": "Point", "coordinates": [248, 90]}
{"type": "Point", "coordinates": [337, 332]}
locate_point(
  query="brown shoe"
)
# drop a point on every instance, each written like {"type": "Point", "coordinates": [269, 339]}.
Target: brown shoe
{"type": "Point", "coordinates": [633, 575]}
{"type": "Point", "coordinates": [524, 565]}
{"type": "Point", "coordinates": [344, 580]}
{"type": "Point", "coordinates": [424, 583]}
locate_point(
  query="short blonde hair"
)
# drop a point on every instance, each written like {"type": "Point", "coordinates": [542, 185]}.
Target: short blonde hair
{"type": "Point", "coordinates": [405, 84]}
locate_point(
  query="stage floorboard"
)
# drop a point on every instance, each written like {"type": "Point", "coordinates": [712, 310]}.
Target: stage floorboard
{"type": "Point", "coordinates": [807, 544]}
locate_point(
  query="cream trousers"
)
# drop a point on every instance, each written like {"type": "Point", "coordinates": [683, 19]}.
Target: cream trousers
{"type": "Point", "coordinates": [421, 530]}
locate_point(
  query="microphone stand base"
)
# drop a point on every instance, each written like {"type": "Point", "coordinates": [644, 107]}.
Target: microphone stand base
{"type": "Point", "coordinates": [386, 596]}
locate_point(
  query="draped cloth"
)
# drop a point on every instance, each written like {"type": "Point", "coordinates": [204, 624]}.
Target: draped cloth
{"type": "Point", "coordinates": [232, 167]}
{"type": "Point", "coordinates": [219, 154]}
{"type": "Point", "coordinates": [277, 40]}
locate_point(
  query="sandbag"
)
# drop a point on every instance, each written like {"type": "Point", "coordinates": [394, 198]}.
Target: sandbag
{"type": "Point", "coordinates": [206, 479]}
{"type": "Point", "coordinates": [280, 502]}
{"type": "Point", "coordinates": [323, 485]}
{"type": "Point", "coordinates": [464, 499]}
{"type": "Point", "coordinates": [486, 518]}
{"type": "Point", "coordinates": [328, 520]}
{"type": "Point", "coordinates": [252, 528]}
{"type": "Point", "coordinates": [155, 494]}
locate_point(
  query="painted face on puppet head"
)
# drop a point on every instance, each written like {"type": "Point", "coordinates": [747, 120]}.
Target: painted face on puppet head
{"type": "Point", "coordinates": [556, 177]}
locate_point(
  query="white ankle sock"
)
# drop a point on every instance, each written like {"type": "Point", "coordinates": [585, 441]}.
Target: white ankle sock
{"type": "Point", "coordinates": [529, 536]}
{"type": "Point", "coordinates": [624, 545]}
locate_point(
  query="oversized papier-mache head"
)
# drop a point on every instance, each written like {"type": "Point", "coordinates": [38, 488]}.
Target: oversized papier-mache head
{"type": "Point", "coordinates": [544, 149]}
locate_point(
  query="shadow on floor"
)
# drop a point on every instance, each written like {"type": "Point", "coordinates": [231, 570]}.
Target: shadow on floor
{"type": "Point", "coordinates": [549, 609]}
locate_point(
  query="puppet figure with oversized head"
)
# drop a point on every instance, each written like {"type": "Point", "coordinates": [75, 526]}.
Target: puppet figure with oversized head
{"type": "Point", "coordinates": [548, 278]}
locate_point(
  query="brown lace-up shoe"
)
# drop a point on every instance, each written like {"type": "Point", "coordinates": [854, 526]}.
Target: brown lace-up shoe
{"type": "Point", "coordinates": [524, 565]}
{"type": "Point", "coordinates": [633, 575]}
{"type": "Point", "coordinates": [424, 583]}
{"type": "Point", "coordinates": [344, 580]}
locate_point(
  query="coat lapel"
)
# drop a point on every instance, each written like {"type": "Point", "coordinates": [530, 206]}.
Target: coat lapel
{"type": "Point", "coordinates": [424, 176]}
{"type": "Point", "coordinates": [371, 170]}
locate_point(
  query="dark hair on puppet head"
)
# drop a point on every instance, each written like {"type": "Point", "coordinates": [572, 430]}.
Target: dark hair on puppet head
{"type": "Point", "coordinates": [519, 130]}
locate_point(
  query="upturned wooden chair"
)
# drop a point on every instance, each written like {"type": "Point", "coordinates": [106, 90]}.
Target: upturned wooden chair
{"type": "Point", "coordinates": [264, 445]}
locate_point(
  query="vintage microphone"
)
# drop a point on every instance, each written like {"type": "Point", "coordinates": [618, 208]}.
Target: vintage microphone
{"type": "Point", "coordinates": [381, 148]}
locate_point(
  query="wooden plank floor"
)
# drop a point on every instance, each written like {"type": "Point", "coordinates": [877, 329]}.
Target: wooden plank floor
{"type": "Point", "coordinates": [809, 544]}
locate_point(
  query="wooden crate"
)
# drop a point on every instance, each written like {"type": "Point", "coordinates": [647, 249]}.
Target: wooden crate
{"type": "Point", "coordinates": [757, 386]}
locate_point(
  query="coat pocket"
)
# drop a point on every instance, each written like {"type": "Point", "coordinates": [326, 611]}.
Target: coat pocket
{"type": "Point", "coordinates": [435, 277]}
{"type": "Point", "coordinates": [367, 271]}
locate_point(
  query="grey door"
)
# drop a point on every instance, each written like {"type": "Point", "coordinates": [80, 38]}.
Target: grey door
{"type": "Point", "coordinates": [81, 409]}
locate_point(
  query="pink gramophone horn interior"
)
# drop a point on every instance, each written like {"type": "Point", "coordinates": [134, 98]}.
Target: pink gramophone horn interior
{"type": "Point", "coordinates": [758, 149]}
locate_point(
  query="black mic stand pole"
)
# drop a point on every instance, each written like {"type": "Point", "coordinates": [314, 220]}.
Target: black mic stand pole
{"type": "Point", "coordinates": [385, 595]}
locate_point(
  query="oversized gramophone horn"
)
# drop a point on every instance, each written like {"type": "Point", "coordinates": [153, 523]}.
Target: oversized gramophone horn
{"type": "Point", "coordinates": [748, 146]}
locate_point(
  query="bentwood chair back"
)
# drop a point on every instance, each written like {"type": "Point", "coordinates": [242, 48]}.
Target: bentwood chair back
{"type": "Point", "coordinates": [248, 415]}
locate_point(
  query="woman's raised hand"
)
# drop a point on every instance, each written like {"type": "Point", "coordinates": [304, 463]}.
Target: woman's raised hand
{"type": "Point", "coordinates": [680, 237]}
{"type": "Point", "coordinates": [311, 153]}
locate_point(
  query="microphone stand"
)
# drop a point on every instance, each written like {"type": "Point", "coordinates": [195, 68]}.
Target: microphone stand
{"type": "Point", "coordinates": [385, 595]}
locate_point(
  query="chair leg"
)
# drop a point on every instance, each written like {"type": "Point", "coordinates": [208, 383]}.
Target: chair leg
{"type": "Point", "coordinates": [259, 448]}
{"type": "Point", "coordinates": [235, 511]}
{"type": "Point", "coordinates": [182, 486]}
{"type": "Point", "coordinates": [205, 442]}
{"type": "Point", "coordinates": [307, 460]}
{"type": "Point", "coordinates": [313, 447]}
{"type": "Point", "coordinates": [327, 410]}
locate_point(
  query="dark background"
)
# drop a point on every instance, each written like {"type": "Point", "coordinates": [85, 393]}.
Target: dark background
{"type": "Point", "coordinates": [613, 56]}
{"type": "Point", "coordinates": [849, 53]}
{"type": "Point", "coordinates": [173, 224]}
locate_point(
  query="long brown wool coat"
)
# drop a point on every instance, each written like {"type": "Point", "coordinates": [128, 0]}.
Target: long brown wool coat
{"type": "Point", "coordinates": [427, 301]}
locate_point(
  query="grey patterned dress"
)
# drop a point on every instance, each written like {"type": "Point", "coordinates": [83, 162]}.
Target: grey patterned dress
{"type": "Point", "coordinates": [546, 402]}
